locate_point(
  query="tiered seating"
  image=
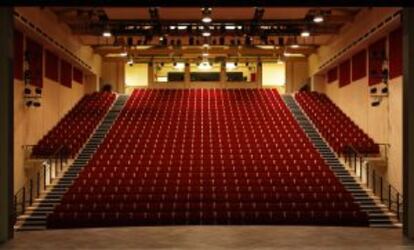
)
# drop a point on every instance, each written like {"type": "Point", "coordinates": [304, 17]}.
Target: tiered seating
{"type": "Point", "coordinates": [76, 127]}
{"type": "Point", "coordinates": [337, 128]}
{"type": "Point", "coordinates": [206, 157]}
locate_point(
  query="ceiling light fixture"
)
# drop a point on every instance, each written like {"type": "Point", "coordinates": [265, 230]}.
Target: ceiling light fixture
{"type": "Point", "coordinates": [206, 33]}
{"type": "Point", "coordinates": [318, 19]}
{"type": "Point", "coordinates": [305, 33]}
{"type": "Point", "coordinates": [205, 65]}
{"type": "Point", "coordinates": [106, 33]}
{"type": "Point", "coordinates": [179, 65]}
{"type": "Point", "coordinates": [206, 15]}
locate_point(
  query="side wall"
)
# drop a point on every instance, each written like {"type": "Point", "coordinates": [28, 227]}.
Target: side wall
{"type": "Point", "coordinates": [384, 122]}
{"type": "Point", "coordinates": [31, 124]}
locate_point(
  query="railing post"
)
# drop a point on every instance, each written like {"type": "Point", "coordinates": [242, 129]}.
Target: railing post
{"type": "Point", "coordinates": [56, 166]}
{"type": "Point", "coordinates": [15, 205]}
{"type": "Point", "coordinates": [355, 162]}
{"type": "Point", "coordinates": [367, 177]}
{"type": "Point", "coordinates": [61, 160]}
{"type": "Point", "coordinates": [38, 184]}
{"type": "Point", "coordinates": [31, 192]}
{"type": "Point", "coordinates": [373, 182]}
{"type": "Point", "coordinates": [44, 177]}
{"type": "Point", "coordinates": [381, 191]}
{"type": "Point", "coordinates": [389, 196]}
{"type": "Point", "coordinates": [398, 206]}
{"type": "Point", "coordinates": [24, 200]}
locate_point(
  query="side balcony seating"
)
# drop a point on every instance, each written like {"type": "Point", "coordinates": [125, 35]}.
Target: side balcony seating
{"type": "Point", "coordinates": [75, 128]}
{"type": "Point", "coordinates": [336, 127]}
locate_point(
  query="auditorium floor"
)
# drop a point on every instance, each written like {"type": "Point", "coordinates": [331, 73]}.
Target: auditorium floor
{"type": "Point", "coordinates": [212, 237]}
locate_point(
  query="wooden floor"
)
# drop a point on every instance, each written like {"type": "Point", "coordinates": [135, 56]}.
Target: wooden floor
{"type": "Point", "coordinates": [213, 237]}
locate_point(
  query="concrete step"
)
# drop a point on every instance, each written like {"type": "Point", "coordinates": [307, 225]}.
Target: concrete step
{"type": "Point", "coordinates": [30, 228]}
{"type": "Point", "coordinates": [31, 217]}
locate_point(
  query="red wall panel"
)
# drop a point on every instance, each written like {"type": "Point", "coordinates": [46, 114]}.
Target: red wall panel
{"type": "Point", "coordinates": [395, 53]}
{"type": "Point", "coordinates": [77, 75]}
{"type": "Point", "coordinates": [345, 73]}
{"type": "Point", "coordinates": [332, 75]}
{"type": "Point", "coordinates": [377, 55]}
{"type": "Point", "coordinates": [65, 74]}
{"type": "Point", "coordinates": [51, 66]}
{"type": "Point", "coordinates": [359, 65]}
{"type": "Point", "coordinates": [34, 54]}
{"type": "Point", "coordinates": [18, 55]}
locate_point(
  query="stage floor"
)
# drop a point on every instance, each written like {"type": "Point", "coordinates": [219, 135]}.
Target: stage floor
{"type": "Point", "coordinates": [213, 237]}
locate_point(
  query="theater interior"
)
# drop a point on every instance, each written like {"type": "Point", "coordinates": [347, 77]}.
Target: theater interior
{"type": "Point", "coordinates": [206, 126]}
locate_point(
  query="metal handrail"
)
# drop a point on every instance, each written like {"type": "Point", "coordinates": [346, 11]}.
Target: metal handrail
{"type": "Point", "coordinates": [37, 183]}
{"type": "Point", "coordinates": [377, 183]}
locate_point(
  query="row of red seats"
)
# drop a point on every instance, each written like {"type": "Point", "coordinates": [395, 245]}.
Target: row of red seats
{"type": "Point", "coordinates": [75, 127]}
{"type": "Point", "coordinates": [336, 127]}
{"type": "Point", "coordinates": [154, 169]}
{"type": "Point", "coordinates": [239, 217]}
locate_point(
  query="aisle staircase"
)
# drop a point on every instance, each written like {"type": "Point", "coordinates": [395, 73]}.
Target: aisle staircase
{"type": "Point", "coordinates": [36, 215]}
{"type": "Point", "coordinates": [378, 213]}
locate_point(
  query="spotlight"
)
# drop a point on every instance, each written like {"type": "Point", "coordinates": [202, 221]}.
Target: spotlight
{"type": "Point", "coordinates": [206, 33]}
{"type": "Point", "coordinates": [305, 33]}
{"type": "Point", "coordinates": [375, 103]}
{"type": "Point", "coordinates": [384, 90]}
{"type": "Point", "coordinates": [294, 46]}
{"type": "Point", "coordinates": [29, 103]}
{"type": "Point", "coordinates": [36, 104]}
{"type": "Point", "coordinates": [106, 33]}
{"type": "Point", "coordinates": [318, 19]}
{"type": "Point", "coordinates": [207, 19]}
{"type": "Point", "coordinates": [206, 15]}
{"type": "Point", "coordinates": [27, 91]}
{"type": "Point", "coordinates": [373, 90]}
{"type": "Point", "coordinates": [38, 91]}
